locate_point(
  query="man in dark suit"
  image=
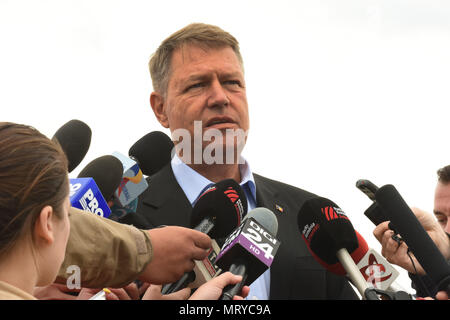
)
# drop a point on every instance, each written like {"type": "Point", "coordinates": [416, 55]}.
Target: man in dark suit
{"type": "Point", "coordinates": [199, 91]}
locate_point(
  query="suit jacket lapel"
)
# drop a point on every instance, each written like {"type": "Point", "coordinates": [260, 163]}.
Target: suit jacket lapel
{"type": "Point", "coordinates": [169, 204]}
{"type": "Point", "coordinates": [270, 198]}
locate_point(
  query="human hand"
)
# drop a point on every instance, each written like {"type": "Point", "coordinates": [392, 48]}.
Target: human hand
{"type": "Point", "coordinates": [212, 290]}
{"type": "Point", "coordinates": [441, 295]}
{"type": "Point", "coordinates": [55, 291]}
{"type": "Point", "coordinates": [397, 253]}
{"type": "Point", "coordinates": [129, 292]}
{"type": "Point", "coordinates": [154, 293]}
{"type": "Point", "coordinates": [174, 251]}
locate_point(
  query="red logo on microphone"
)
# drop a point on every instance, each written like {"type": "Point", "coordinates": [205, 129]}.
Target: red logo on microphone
{"type": "Point", "coordinates": [373, 271]}
{"type": "Point", "coordinates": [232, 194]}
{"type": "Point", "coordinates": [236, 200]}
{"type": "Point", "coordinates": [332, 213]}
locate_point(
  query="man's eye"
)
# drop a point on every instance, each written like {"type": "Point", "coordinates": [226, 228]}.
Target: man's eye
{"type": "Point", "coordinates": [233, 83]}
{"type": "Point", "coordinates": [195, 86]}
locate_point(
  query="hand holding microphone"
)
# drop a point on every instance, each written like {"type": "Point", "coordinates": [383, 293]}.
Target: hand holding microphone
{"type": "Point", "coordinates": [212, 290]}
{"type": "Point", "coordinates": [397, 253]}
{"type": "Point", "coordinates": [174, 249]}
{"type": "Point", "coordinates": [415, 236]}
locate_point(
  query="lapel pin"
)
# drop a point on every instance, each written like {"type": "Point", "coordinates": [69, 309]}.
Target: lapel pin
{"type": "Point", "coordinates": [279, 208]}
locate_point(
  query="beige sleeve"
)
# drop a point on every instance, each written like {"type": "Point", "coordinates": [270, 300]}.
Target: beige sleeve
{"type": "Point", "coordinates": [108, 253]}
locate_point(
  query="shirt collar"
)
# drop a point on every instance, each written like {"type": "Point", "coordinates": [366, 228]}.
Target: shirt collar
{"type": "Point", "coordinates": [193, 183]}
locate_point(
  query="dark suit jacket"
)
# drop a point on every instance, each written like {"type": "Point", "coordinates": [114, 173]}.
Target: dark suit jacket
{"type": "Point", "coordinates": [295, 274]}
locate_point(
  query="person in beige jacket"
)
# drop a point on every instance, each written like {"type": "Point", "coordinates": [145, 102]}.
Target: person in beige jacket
{"type": "Point", "coordinates": [41, 235]}
{"type": "Point", "coordinates": [112, 254]}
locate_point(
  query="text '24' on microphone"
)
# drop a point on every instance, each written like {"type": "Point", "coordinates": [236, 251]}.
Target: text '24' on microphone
{"type": "Point", "coordinates": [249, 251]}
{"type": "Point", "coordinates": [216, 212]}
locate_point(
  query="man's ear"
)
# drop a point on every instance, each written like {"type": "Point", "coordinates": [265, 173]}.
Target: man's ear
{"type": "Point", "coordinates": [44, 227]}
{"type": "Point", "coordinates": [159, 108]}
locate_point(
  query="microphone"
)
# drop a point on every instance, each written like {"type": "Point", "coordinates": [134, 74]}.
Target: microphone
{"type": "Point", "coordinates": [217, 211]}
{"type": "Point", "coordinates": [106, 172]}
{"type": "Point", "coordinates": [415, 236]}
{"type": "Point", "coordinates": [204, 270]}
{"type": "Point", "coordinates": [376, 270]}
{"type": "Point", "coordinates": [75, 139]}
{"type": "Point", "coordinates": [85, 194]}
{"type": "Point", "coordinates": [152, 152]}
{"type": "Point", "coordinates": [249, 251]}
{"type": "Point", "coordinates": [331, 238]}
{"type": "Point", "coordinates": [132, 182]}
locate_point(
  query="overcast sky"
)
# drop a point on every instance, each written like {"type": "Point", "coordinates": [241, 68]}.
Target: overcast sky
{"type": "Point", "coordinates": [338, 90]}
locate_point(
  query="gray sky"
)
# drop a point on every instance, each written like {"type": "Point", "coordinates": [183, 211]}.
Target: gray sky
{"type": "Point", "coordinates": [338, 90]}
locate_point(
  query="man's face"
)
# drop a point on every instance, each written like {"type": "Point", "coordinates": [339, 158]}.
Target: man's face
{"type": "Point", "coordinates": [207, 85]}
{"type": "Point", "coordinates": [442, 205]}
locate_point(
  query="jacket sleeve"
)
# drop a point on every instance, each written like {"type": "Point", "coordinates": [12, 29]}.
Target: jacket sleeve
{"type": "Point", "coordinates": [107, 253]}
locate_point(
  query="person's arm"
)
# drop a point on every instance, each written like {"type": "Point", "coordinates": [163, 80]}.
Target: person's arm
{"type": "Point", "coordinates": [174, 251]}
{"type": "Point", "coordinates": [110, 254]}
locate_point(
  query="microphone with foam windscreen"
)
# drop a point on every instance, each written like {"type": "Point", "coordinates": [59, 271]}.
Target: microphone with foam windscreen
{"type": "Point", "coordinates": [217, 212]}
{"type": "Point", "coordinates": [96, 184]}
{"type": "Point", "coordinates": [147, 156]}
{"type": "Point", "coordinates": [152, 152]}
{"type": "Point", "coordinates": [219, 207]}
{"type": "Point", "coordinates": [415, 236]}
{"type": "Point", "coordinates": [249, 251]}
{"type": "Point", "coordinates": [75, 139]}
{"type": "Point", "coordinates": [106, 172]}
{"type": "Point", "coordinates": [332, 240]}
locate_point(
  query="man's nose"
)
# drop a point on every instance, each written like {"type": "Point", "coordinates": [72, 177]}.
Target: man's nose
{"type": "Point", "coordinates": [217, 95]}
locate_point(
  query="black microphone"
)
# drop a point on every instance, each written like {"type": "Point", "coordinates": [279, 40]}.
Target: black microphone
{"type": "Point", "coordinates": [152, 152]}
{"type": "Point", "coordinates": [219, 209]}
{"type": "Point", "coordinates": [249, 251]}
{"type": "Point", "coordinates": [415, 236]}
{"type": "Point", "coordinates": [216, 212]}
{"type": "Point", "coordinates": [107, 173]}
{"type": "Point", "coordinates": [331, 239]}
{"type": "Point", "coordinates": [75, 139]}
